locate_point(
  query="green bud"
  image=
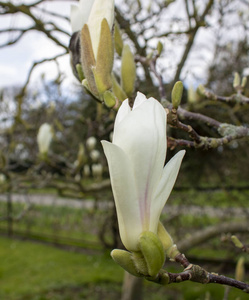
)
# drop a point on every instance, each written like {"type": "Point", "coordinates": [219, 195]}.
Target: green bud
{"type": "Point", "coordinates": [117, 89]}
{"type": "Point", "coordinates": [105, 56]}
{"type": "Point", "coordinates": [149, 56]}
{"type": "Point", "coordinates": [140, 263]}
{"type": "Point", "coordinates": [124, 259]}
{"type": "Point", "coordinates": [236, 241]}
{"type": "Point", "coordinates": [236, 80]}
{"type": "Point", "coordinates": [109, 99]}
{"type": "Point", "coordinates": [172, 252]}
{"type": "Point", "coordinates": [2, 179]}
{"type": "Point", "coordinates": [118, 39]}
{"type": "Point", "coordinates": [128, 71]}
{"type": "Point", "coordinates": [191, 95]}
{"type": "Point", "coordinates": [165, 237]}
{"type": "Point", "coordinates": [159, 48]}
{"type": "Point", "coordinates": [88, 60]}
{"type": "Point", "coordinates": [244, 81]}
{"type": "Point", "coordinates": [152, 250]}
{"type": "Point", "coordinates": [85, 84]}
{"type": "Point", "coordinates": [240, 269]}
{"type": "Point", "coordinates": [80, 72]}
{"type": "Point", "coordinates": [176, 95]}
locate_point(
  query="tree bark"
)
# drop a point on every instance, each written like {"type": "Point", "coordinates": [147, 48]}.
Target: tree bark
{"type": "Point", "coordinates": [132, 287]}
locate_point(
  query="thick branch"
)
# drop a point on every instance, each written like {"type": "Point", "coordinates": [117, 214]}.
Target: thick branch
{"type": "Point", "coordinates": [235, 98]}
{"type": "Point", "coordinates": [210, 232]}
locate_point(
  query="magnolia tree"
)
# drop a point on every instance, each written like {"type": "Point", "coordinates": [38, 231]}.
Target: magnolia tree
{"type": "Point", "coordinates": [122, 76]}
{"type": "Point", "coordinates": [140, 182]}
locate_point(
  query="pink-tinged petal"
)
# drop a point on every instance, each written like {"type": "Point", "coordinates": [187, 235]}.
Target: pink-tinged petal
{"type": "Point", "coordinates": [125, 195]}
{"type": "Point", "coordinates": [165, 185]}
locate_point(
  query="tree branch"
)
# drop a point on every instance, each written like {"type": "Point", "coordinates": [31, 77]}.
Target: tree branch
{"type": "Point", "coordinates": [190, 42]}
{"type": "Point", "coordinates": [197, 274]}
{"type": "Point", "coordinates": [210, 232]}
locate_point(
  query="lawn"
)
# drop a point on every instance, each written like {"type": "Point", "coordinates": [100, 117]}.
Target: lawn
{"type": "Point", "coordinates": [31, 268]}
{"type": "Point", "coordinates": [37, 270]}
{"type": "Point", "coordinates": [33, 271]}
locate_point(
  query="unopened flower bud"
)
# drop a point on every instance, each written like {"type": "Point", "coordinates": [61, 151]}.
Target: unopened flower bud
{"type": "Point", "coordinates": [165, 237]}
{"type": "Point", "coordinates": [192, 97]}
{"type": "Point", "coordinates": [117, 89]}
{"type": "Point", "coordinates": [236, 80]}
{"type": "Point", "coordinates": [240, 269]}
{"type": "Point", "coordinates": [118, 40]}
{"type": "Point", "coordinates": [236, 241]}
{"type": "Point", "coordinates": [109, 99]}
{"type": "Point", "coordinates": [159, 48]}
{"type": "Point", "coordinates": [91, 143]}
{"type": "Point", "coordinates": [152, 250]}
{"type": "Point", "coordinates": [124, 259]}
{"type": "Point", "coordinates": [244, 81]}
{"type": "Point", "coordinates": [95, 154]}
{"type": "Point", "coordinates": [176, 95]}
{"type": "Point", "coordinates": [94, 19]}
{"type": "Point", "coordinates": [80, 72]}
{"type": "Point", "coordinates": [44, 137]}
{"type": "Point", "coordinates": [2, 178]}
{"type": "Point", "coordinates": [128, 71]}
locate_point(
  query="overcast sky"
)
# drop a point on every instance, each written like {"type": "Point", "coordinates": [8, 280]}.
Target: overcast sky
{"type": "Point", "coordinates": [16, 60]}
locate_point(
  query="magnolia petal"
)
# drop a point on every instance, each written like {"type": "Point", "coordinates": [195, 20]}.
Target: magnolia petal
{"type": "Point", "coordinates": [142, 136]}
{"type": "Point", "coordinates": [79, 14]}
{"type": "Point", "coordinates": [165, 186]}
{"type": "Point", "coordinates": [123, 111]}
{"type": "Point", "coordinates": [101, 9]}
{"type": "Point", "coordinates": [125, 195]}
{"type": "Point", "coordinates": [140, 99]}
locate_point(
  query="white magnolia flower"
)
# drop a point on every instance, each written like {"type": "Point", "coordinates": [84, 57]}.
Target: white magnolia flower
{"type": "Point", "coordinates": [92, 12]}
{"type": "Point", "coordinates": [95, 155]}
{"type": "Point", "coordinates": [44, 137]}
{"type": "Point", "coordinates": [91, 143]}
{"type": "Point", "coordinates": [141, 184]}
{"type": "Point", "coordinates": [2, 178]}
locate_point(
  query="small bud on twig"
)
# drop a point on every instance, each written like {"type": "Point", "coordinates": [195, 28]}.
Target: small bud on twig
{"type": "Point", "coordinates": [176, 95]}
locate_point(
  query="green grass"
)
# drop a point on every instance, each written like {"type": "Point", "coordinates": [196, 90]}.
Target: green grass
{"type": "Point", "coordinates": [29, 268]}
{"type": "Point", "coordinates": [32, 271]}
{"type": "Point", "coordinates": [218, 198]}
